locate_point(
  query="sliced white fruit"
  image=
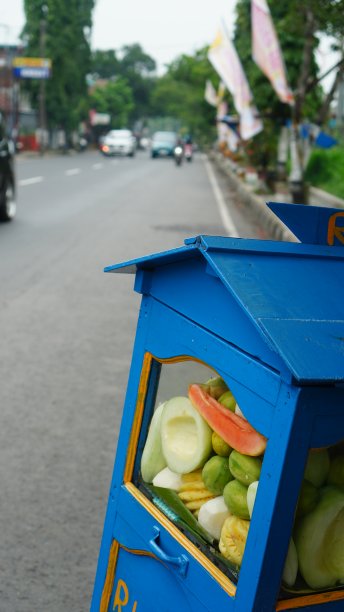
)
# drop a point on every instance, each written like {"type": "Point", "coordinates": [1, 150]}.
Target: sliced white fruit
{"type": "Point", "coordinates": [212, 515]}
{"type": "Point", "coordinates": [185, 436]}
{"type": "Point", "coordinates": [152, 460]}
{"type": "Point", "coordinates": [251, 496]}
{"type": "Point", "coordinates": [168, 480]}
{"type": "Point", "coordinates": [291, 565]}
{"type": "Point", "coordinates": [238, 411]}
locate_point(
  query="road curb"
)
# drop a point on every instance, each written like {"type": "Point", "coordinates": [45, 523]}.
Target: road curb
{"type": "Point", "coordinates": [257, 205]}
{"type": "Point", "coordinates": [321, 197]}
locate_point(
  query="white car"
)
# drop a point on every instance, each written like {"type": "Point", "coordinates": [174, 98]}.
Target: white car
{"type": "Point", "coordinates": [118, 142]}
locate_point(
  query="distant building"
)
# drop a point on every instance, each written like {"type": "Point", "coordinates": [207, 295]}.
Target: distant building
{"type": "Point", "coordinates": [21, 120]}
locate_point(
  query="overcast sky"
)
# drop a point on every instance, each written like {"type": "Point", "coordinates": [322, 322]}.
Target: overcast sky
{"type": "Point", "coordinates": [164, 29]}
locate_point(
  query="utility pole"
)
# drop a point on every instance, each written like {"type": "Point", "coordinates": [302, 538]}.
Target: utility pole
{"type": "Point", "coordinates": [42, 106]}
{"type": "Point", "coordinates": [5, 77]}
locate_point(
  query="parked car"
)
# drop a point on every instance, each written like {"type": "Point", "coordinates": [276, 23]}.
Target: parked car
{"type": "Point", "coordinates": [163, 144]}
{"type": "Point", "coordinates": [118, 142]}
{"type": "Point", "coordinates": [7, 176]}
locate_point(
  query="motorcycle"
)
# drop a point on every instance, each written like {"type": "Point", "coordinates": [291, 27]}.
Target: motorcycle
{"type": "Point", "coordinates": [178, 155]}
{"type": "Point", "coordinates": [188, 152]}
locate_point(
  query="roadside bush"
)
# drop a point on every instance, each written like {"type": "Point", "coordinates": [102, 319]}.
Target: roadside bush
{"type": "Point", "coordinates": [325, 170]}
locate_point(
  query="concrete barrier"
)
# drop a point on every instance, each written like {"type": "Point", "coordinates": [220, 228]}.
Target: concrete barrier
{"type": "Point", "coordinates": [318, 197]}
{"type": "Point", "coordinates": [255, 203]}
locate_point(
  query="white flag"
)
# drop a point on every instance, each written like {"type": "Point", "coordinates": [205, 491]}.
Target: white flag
{"type": "Point", "coordinates": [266, 51]}
{"type": "Point", "coordinates": [210, 94]}
{"type": "Point", "coordinates": [226, 62]}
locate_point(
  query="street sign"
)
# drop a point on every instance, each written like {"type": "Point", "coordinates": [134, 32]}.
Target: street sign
{"type": "Point", "coordinates": [99, 118]}
{"type": "Point", "coordinates": [31, 67]}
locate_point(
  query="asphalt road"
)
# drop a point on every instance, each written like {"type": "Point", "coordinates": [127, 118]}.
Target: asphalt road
{"type": "Point", "coordinates": [67, 332]}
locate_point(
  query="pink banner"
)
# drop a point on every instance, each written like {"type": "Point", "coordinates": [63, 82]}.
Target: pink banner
{"type": "Point", "coordinates": [226, 62]}
{"type": "Point", "coordinates": [266, 50]}
{"type": "Point", "coordinates": [210, 94]}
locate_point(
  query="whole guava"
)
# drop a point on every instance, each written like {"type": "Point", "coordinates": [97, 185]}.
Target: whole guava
{"type": "Point", "coordinates": [216, 474]}
{"type": "Point", "coordinates": [220, 447]}
{"type": "Point", "coordinates": [228, 400]}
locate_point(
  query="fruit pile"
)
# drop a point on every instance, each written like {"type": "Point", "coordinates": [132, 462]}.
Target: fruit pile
{"type": "Point", "coordinates": [203, 448]}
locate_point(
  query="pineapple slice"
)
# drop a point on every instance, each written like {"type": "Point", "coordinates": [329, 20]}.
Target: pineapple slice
{"type": "Point", "coordinates": [193, 493]}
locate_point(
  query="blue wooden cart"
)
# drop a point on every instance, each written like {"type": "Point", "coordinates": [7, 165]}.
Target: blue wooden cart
{"type": "Point", "coordinates": [267, 317]}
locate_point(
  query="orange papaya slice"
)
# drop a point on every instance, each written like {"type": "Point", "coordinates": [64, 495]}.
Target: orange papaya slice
{"type": "Point", "coordinates": [232, 428]}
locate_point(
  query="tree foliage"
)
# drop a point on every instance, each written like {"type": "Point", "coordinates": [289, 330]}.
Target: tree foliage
{"type": "Point", "coordinates": [104, 64]}
{"type": "Point", "coordinates": [114, 98]}
{"type": "Point", "coordinates": [134, 65]}
{"type": "Point", "coordinates": [134, 91]}
{"type": "Point", "coordinates": [299, 26]}
{"type": "Point", "coordinates": [180, 93]}
{"type": "Point", "coordinates": [60, 30]}
{"type": "Point", "coordinates": [290, 31]}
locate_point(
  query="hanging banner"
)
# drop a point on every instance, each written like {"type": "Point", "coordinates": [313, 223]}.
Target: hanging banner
{"type": "Point", "coordinates": [224, 58]}
{"type": "Point", "coordinates": [210, 94]}
{"type": "Point", "coordinates": [221, 91]}
{"type": "Point", "coordinates": [266, 51]}
{"type": "Point", "coordinates": [222, 129]}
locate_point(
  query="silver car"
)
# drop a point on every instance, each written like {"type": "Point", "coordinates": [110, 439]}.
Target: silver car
{"type": "Point", "coordinates": [118, 142]}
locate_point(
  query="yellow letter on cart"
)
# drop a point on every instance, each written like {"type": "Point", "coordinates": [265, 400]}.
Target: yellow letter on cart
{"type": "Point", "coordinates": [119, 602]}
{"type": "Point", "coordinates": [335, 231]}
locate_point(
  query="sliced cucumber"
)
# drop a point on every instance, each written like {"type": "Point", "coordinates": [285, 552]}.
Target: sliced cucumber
{"type": "Point", "coordinates": [185, 436]}
{"type": "Point", "coordinates": [152, 460]}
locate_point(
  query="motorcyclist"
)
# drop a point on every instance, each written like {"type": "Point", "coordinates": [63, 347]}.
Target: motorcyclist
{"type": "Point", "coordinates": [179, 151]}
{"type": "Point", "coordinates": [180, 143]}
{"type": "Point", "coordinates": [188, 148]}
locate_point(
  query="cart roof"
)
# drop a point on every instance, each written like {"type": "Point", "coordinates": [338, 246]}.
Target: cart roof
{"type": "Point", "coordinates": [293, 292]}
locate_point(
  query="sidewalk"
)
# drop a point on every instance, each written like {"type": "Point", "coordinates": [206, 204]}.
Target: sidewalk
{"type": "Point", "coordinates": [257, 203]}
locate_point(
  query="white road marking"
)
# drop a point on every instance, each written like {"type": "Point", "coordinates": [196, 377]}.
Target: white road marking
{"type": "Point", "coordinates": [97, 166]}
{"type": "Point", "coordinates": [72, 171]}
{"type": "Point", "coordinates": [226, 218]}
{"type": "Point", "coordinates": [30, 181]}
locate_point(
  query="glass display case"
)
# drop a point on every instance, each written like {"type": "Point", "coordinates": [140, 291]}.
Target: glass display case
{"type": "Point", "coordinates": [206, 486]}
{"type": "Point", "coordinates": [228, 485]}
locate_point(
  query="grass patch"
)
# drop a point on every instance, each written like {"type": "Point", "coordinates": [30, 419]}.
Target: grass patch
{"type": "Point", "coordinates": [325, 170]}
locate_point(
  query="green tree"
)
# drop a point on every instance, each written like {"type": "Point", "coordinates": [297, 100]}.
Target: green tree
{"type": "Point", "coordinates": [60, 29]}
{"type": "Point", "coordinates": [104, 64]}
{"type": "Point", "coordinates": [299, 26]}
{"type": "Point", "coordinates": [138, 68]}
{"type": "Point", "coordinates": [114, 98]}
{"type": "Point", "coordinates": [274, 113]}
{"type": "Point", "coordinates": [134, 59]}
{"type": "Point", "coordinates": [180, 94]}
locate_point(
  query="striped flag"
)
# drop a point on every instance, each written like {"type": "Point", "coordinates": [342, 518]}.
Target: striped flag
{"type": "Point", "coordinates": [210, 94]}
{"type": "Point", "coordinates": [266, 51]}
{"type": "Point", "coordinates": [224, 58]}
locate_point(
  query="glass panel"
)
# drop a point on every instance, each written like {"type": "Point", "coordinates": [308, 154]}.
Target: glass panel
{"type": "Point", "coordinates": [315, 560]}
{"type": "Point", "coordinates": [204, 479]}
{"type": "Point", "coordinates": [190, 472]}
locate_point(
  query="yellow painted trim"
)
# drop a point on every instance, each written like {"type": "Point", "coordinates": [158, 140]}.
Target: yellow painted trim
{"type": "Point", "coordinates": [222, 580]}
{"type": "Point", "coordinates": [181, 359]}
{"type": "Point", "coordinates": [309, 600]}
{"type": "Point", "coordinates": [139, 552]}
{"type": "Point", "coordinates": [136, 426]}
{"type": "Point", "coordinates": [110, 577]}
